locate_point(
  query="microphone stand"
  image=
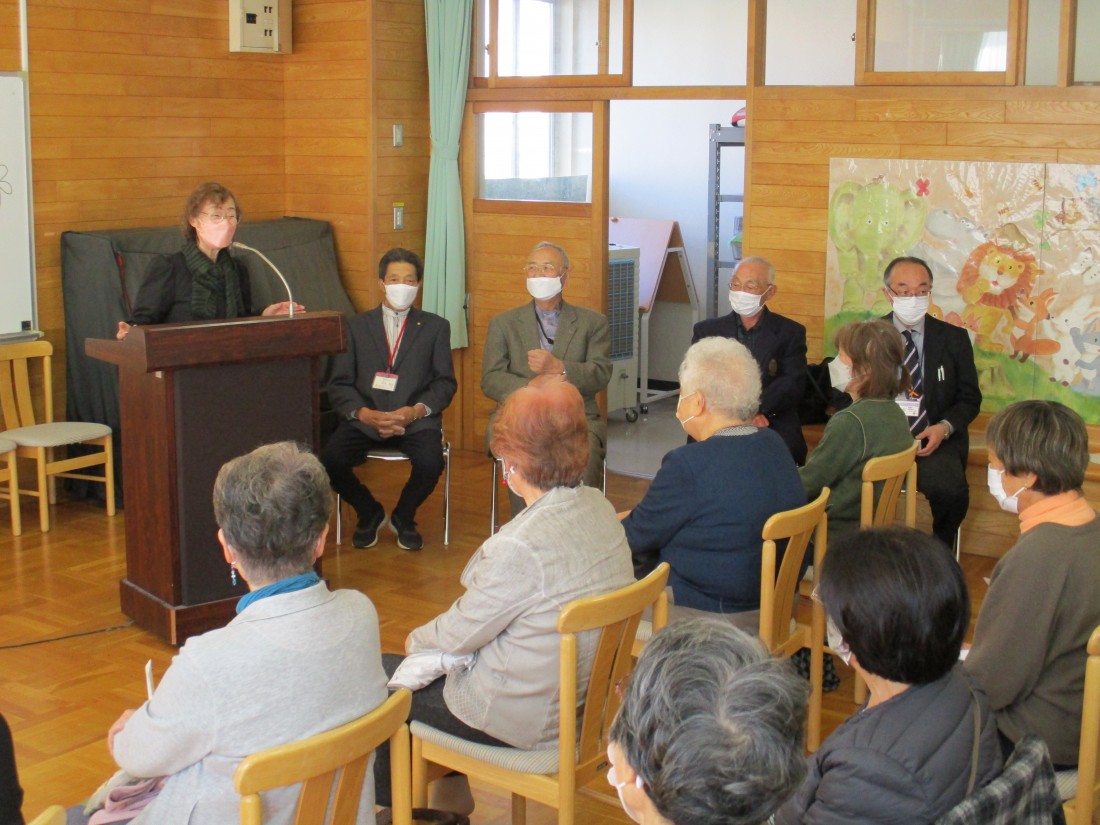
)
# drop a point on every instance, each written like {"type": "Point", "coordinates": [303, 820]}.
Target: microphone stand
{"type": "Point", "coordinates": [275, 269]}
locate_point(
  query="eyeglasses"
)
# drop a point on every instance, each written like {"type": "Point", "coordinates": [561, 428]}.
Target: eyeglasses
{"type": "Point", "coordinates": [217, 217]}
{"type": "Point", "coordinates": [920, 292]}
{"type": "Point", "coordinates": [541, 269]}
{"type": "Point", "coordinates": [749, 286]}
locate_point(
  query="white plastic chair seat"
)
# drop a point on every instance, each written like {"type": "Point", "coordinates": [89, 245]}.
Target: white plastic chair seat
{"type": "Point", "coordinates": [57, 434]}
{"type": "Point", "coordinates": [1066, 782]}
{"type": "Point", "coordinates": [388, 454]}
{"type": "Point", "coordinates": [542, 762]}
{"type": "Point", "coordinates": [6, 446]}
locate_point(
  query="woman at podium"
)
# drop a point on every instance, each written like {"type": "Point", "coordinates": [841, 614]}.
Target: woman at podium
{"type": "Point", "coordinates": [202, 281]}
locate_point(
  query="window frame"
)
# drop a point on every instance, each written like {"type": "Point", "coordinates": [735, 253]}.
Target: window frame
{"type": "Point", "coordinates": [602, 77]}
{"type": "Point", "coordinates": [1015, 64]}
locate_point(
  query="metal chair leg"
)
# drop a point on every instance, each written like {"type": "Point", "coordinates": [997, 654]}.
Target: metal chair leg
{"type": "Point", "coordinates": [446, 493]}
{"type": "Point", "coordinates": [493, 502]}
{"type": "Point", "coordinates": [339, 521]}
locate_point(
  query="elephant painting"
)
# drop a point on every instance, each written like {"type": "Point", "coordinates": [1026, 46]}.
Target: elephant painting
{"type": "Point", "coordinates": [871, 225]}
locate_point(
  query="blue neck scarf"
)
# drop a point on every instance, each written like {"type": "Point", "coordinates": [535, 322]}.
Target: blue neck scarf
{"type": "Point", "coordinates": [299, 582]}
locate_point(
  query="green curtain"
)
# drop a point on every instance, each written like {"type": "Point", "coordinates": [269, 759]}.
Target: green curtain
{"type": "Point", "coordinates": [448, 24]}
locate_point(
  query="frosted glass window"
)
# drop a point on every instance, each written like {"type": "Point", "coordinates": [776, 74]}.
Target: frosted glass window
{"type": "Point", "coordinates": [554, 37]}
{"type": "Point", "coordinates": [541, 156]}
{"type": "Point", "coordinates": [1043, 23]}
{"type": "Point", "coordinates": [693, 43]}
{"type": "Point", "coordinates": [1086, 63]}
{"type": "Point", "coordinates": [810, 43]}
{"type": "Point", "coordinates": [941, 35]}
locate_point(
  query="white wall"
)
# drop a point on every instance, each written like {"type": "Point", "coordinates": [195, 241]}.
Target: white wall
{"type": "Point", "coordinates": [658, 169]}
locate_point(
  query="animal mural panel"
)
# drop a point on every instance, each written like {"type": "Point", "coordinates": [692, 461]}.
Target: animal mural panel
{"type": "Point", "coordinates": [1014, 250]}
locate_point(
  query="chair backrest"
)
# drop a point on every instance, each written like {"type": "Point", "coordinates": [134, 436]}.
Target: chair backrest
{"type": "Point", "coordinates": [15, 383]}
{"type": "Point", "coordinates": [1084, 803]}
{"type": "Point", "coordinates": [777, 593]}
{"type": "Point", "coordinates": [616, 615]}
{"type": "Point", "coordinates": [890, 471]}
{"type": "Point", "coordinates": [339, 757]}
{"type": "Point", "coordinates": [1024, 793]}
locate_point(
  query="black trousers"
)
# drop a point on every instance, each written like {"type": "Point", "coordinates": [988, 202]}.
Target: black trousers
{"type": "Point", "coordinates": [427, 707]}
{"type": "Point", "coordinates": [348, 448]}
{"type": "Point", "coordinates": [941, 478]}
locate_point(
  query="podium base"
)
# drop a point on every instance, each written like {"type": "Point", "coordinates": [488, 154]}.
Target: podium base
{"type": "Point", "coordinates": [173, 623]}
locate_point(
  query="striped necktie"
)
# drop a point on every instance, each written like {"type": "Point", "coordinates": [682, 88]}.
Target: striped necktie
{"type": "Point", "coordinates": [916, 374]}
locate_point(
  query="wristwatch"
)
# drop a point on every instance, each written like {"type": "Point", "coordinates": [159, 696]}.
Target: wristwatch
{"type": "Point", "coordinates": [948, 430]}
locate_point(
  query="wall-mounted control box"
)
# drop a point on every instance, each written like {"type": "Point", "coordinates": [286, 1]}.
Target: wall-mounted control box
{"type": "Point", "coordinates": [261, 26]}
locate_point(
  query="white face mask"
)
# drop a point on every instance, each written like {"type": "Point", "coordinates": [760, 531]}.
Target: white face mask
{"type": "Point", "coordinates": [911, 309]}
{"type": "Point", "coordinates": [995, 481]}
{"type": "Point", "coordinates": [836, 641]}
{"type": "Point", "coordinates": [543, 289]}
{"type": "Point", "coordinates": [840, 374]}
{"type": "Point", "coordinates": [746, 304]}
{"type": "Point", "coordinates": [401, 296]}
{"type": "Point", "coordinates": [614, 782]}
{"type": "Point", "coordinates": [683, 422]}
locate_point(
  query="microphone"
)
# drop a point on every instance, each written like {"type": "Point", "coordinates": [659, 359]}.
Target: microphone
{"type": "Point", "coordinates": [275, 269]}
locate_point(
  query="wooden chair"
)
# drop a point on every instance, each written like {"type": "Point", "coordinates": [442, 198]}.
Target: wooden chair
{"type": "Point", "coordinates": [552, 776]}
{"type": "Point", "coordinates": [37, 438]}
{"type": "Point", "coordinates": [10, 473]}
{"type": "Point", "coordinates": [388, 454]}
{"type": "Point", "coordinates": [339, 758]}
{"type": "Point", "coordinates": [1081, 788]}
{"type": "Point", "coordinates": [894, 473]}
{"type": "Point", "coordinates": [777, 593]}
{"type": "Point", "coordinates": [53, 815]}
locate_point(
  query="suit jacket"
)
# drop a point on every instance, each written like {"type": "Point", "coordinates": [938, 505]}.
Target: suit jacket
{"type": "Point", "coordinates": [583, 344]}
{"type": "Point", "coordinates": [164, 297]}
{"type": "Point", "coordinates": [951, 388]}
{"type": "Point", "coordinates": [288, 667]}
{"type": "Point", "coordinates": [779, 348]}
{"type": "Point", "coordinates": [424, 368]}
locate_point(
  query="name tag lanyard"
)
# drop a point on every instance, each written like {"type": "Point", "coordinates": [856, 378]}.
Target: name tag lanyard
{"type": "Point", "coordinates": [542, 329]}
{"type": "Point", "coordinates": [396, 344]}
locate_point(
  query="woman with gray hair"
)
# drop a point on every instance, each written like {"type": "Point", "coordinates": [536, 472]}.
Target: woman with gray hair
{"type": "Point", "coordinates": [1034, 624]}
{"type": "Point", "coordinates": [710, 729]}
{"type": "Point", "coordinates": [297, 660]}
{"type": "Point", "coordinates": [707, 504]}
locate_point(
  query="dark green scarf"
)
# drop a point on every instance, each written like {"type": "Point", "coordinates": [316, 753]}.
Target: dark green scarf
{"type": "Point", "coordinates": [215, 285]}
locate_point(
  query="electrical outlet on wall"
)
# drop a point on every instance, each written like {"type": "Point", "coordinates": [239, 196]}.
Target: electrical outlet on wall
{"type": "Point", "coordinates": [399, 216]}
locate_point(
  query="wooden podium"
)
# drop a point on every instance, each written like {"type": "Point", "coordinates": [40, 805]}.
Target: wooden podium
{"type": "Point", "coordinates": [193, 396]}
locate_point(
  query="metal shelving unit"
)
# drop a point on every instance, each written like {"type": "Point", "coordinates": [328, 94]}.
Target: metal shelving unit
{"type": "Point", "coordinates": [721, 137]}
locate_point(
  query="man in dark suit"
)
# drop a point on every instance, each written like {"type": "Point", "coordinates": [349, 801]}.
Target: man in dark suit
{"type": "Point", "coordinates": [945, 398]}
{"type": "Point", "coordinates": [777, 344]}
{"type": "Point", "coordinates": [390, 389]}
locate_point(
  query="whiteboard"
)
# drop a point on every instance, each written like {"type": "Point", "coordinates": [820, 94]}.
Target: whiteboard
{"type": "Point", "coordinates": [17, 310]}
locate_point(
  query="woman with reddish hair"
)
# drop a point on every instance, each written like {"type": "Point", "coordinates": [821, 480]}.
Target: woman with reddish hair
{"type": "Point", "coordinates": [566, 544]}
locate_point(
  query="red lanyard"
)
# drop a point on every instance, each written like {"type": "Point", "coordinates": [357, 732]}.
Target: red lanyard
{"type": "Point", "coordinates": [397, 343]}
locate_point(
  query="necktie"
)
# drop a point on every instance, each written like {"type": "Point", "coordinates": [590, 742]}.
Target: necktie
{"type": "Point", "coordinates": [916, 374]}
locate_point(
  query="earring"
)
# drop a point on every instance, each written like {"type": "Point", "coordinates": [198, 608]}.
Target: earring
{"type": "Point", "coordinates": [233, 573]}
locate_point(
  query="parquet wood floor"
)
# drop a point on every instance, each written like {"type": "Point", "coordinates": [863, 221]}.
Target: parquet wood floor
{"type": "Point", "coordinates": [61, 696]}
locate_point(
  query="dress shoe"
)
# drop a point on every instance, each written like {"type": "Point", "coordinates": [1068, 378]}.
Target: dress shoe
{"type": "Point", "coordinates": [366, 534]}
{"type": "Point", "coordinates": [408, 537]}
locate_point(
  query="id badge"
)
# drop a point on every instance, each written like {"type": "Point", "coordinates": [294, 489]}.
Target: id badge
{"type": "Point", "coordinates": [385, 381]}
{"type": "Point", "coordinates": [909, 405]}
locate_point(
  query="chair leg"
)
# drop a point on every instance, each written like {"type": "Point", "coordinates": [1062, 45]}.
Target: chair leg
{"type": "Point", "coordinates": [860, 692]}
{"type": "Point", "coordinates": [109, 474]}
{"type": "Point", "coordinates": [493, 501]}
{"type": "Point", "coordinates": [419, 775]}
{"type": "Point", "coordinates": [13, 494]}
{"type": "Point", "coordinates": [446, 494]}
{"type": "Point", "coordinates": [43, 491]}
{"type": "Point", "coordinates": [519, 810]}
{"type": "Point", "coordinates": [339, 520]}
